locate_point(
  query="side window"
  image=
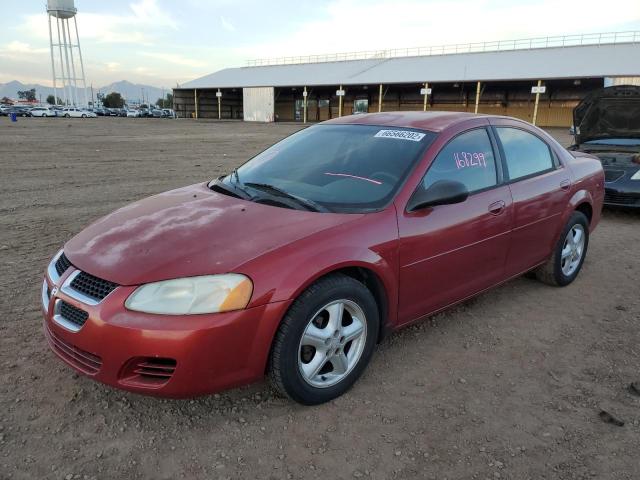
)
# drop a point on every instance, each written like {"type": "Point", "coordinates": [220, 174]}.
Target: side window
{"type": "Point", "coordinates": [524, 153]}
{"type": "Point", "coordinates": [468, 158]}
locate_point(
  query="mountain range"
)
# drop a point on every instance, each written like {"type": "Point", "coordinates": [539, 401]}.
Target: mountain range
{"type": "Point", "coordinates": [132, 92]}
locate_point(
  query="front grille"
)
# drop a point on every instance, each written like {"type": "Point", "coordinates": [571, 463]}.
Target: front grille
{"type": "Point", "coordinates": [62, 264]}
{"type": "Point", "coordinates": [148, 372]}
{"type": "Point", "coordinates": [613, 175]}
{"type": "Point", "coordinates": [73, 314]}
{"type": "Point", "coordinates": [621, 198]}
{"type": "Point", "coordinates": [76, 357]}
{"type": "Point", "coordinates": [92, 287]}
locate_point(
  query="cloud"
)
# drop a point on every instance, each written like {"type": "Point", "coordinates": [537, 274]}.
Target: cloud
{"type": "Point", "coordinates": [175, 59]}
{"type": "Point", "coordinates": [148, 13]}
{"type": "Point", "coordinates": [356, 25]}
{"type": "Point", "coordinates": [137, 26]}
{"type": "Point", "coordinates": [228, 26]}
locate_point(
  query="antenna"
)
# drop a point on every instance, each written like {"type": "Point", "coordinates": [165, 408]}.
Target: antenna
{"type": "Point", "coordinates": [63, 62]}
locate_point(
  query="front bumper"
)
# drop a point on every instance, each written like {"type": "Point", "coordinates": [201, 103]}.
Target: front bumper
{"type": "Point", "coordinates": [170, 356]}
{"type": "Point", "coordinates": [619, 189]}
{"type": "Point", "coordinates": [621, 197]}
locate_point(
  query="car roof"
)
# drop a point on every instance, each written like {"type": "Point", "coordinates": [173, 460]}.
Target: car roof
{"type": "Point", "coordinates": [433, 121]}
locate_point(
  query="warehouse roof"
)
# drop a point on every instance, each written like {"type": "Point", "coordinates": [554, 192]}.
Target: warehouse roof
{"type": "Point", "coordinates": [607, 60]}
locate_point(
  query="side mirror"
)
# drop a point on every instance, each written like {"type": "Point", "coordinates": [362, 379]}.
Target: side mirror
{"type": "Point", "coordinates": [442, 192]}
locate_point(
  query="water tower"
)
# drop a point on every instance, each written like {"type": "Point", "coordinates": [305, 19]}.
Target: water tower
{"type": "Point", "coordinates": [65, 52]}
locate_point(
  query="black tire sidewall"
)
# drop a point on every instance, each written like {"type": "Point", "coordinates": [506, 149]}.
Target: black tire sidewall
{"type": "Point", "coordinates": [575, 219]}
{"type": "Point", "coordinates": [298, 318]}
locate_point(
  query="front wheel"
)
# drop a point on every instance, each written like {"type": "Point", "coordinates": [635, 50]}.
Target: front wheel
{"type": "Point", "coordinates": [325, 340]}
{"type": "Point", "coordinates": [569, 253]}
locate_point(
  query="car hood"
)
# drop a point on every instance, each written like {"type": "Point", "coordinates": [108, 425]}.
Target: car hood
{"type": "Point", "coordinates": [611, 112]}
{"type": "Point", "coordinates": [187, 232]}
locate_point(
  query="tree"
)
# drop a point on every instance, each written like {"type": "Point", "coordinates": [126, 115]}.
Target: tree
{"type": "Point", "coordinates": [165, 102]}
{"type": "Point", "coordinates": [113, 100]}
{"type": "Point", "coordinates": [29, 95]}
{"type": "Point", "coordinates": [51, 100]}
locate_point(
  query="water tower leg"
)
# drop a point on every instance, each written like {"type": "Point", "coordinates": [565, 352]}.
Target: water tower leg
{"type": "Point", "coordinates": [84, 80]}
{"type": "Point", "coordinates": [74, 82]}
{"type": "Point", "coordinates": [53, 66]}
{"type": "Point", "coordinates": [66, 55]}
{"type": "Point", "coordinates": [62, 74]}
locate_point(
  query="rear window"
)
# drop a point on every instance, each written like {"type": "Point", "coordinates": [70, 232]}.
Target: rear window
{"type": "Point", "coordinates": [347, 168]}
{"type": "Point", "coordinates": [525, 154]}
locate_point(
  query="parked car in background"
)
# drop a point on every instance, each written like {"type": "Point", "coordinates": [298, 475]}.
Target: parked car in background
{"type": "Point", "coordinates": [133, 113]}
{"type": "Point", "coordinates": [99, 111]}
{"type": "Point", "coordinates": [19, 110]}
{"type": "Point", "coordinates": [42, 112]}
{"type": "Point", "coordinates": [4, 109]}
{"type": "Point", "coordinates": [74, 112]}
{"type": "Point", "coordinates": [607, 124]}
{"type": "Point", "coordinates": [357, 226]}
{"type": "Point", "coordinates": [168, 113]}
{"type": "Point", "coordinates": [156, 113]}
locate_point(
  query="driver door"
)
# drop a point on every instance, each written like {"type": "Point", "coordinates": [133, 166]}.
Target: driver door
{"type": "Point", "coordinates": [450, 252]}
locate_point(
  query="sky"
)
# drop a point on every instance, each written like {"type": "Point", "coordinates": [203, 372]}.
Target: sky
{"type": "Point", "coordinates": [163, 42]}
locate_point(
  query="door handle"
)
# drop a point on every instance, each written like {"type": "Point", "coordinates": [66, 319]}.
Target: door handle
{"type": "Point", "coordinates": [496, 208]}
{"type": "Point", "coordinates": [565, 184]}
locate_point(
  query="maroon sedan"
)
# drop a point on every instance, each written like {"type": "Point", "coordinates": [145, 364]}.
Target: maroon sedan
{"type": "Point", "coordinates": [298, 262]}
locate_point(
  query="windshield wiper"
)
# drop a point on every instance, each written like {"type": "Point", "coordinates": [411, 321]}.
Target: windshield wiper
{"type": "Point", "coordinates": [305, 202]}
{"type": "Point", "coordinates": [232, 188]}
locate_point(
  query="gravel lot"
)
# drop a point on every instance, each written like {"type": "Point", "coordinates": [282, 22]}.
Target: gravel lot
{"type": "Point", "coordinates": [506, 386]}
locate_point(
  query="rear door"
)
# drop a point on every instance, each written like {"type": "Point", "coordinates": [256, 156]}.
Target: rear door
{"type": "Point", "coordinates": [540, 186]}
{"type": "Point", "coordinates": [450, 252]}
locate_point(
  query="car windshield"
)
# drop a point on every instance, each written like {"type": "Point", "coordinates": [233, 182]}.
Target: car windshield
{"type": "Point", "coordinates": [344, 168]}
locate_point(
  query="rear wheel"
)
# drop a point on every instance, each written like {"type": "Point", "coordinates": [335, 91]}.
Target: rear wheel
{"type": "Point", "coordinates": [325, 340]}
{"type": "Point", "coordinates": [569, 254]}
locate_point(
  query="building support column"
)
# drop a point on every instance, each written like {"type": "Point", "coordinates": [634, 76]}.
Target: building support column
{"type": "Point", "coordinates": [219, 97]}
{"type": "Point", "coordinates": [380, 99]}
{"type": "Point", "coordinates": [477, 97]}
{"type": "Point", "coordinates": [535, 105]}
{"type": "Point", "coordinates": [195, 100]}
{"type": "Point", "coordinates": [426, 94]}
{"type": "Point", "coordinates": [304, 105]}
{"type": "Point", "coordinates": [340, 103]}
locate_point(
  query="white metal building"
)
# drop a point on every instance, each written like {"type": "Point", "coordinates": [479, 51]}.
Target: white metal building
{"type": "Point", "coordinates": [493, 77]}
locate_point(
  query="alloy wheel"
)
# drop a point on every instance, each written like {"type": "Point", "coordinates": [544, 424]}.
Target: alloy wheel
{"type": "Point", "coordinates": [572, 250]}
{"type": "Point", "coordinates": [332, 343]}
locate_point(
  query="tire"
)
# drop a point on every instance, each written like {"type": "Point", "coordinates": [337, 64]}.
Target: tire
{"type": "Point", "coordinates": [84, 116]}
{"type": "Point", "coordinates": [338, 361]}
{"type": "Point", "coordinates": [67, 116]}
{"type": "Point", "coordinates": [562, 270]}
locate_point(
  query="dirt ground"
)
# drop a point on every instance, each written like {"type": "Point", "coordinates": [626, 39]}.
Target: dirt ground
{"type": "Point", "coordinates": [506, 386]}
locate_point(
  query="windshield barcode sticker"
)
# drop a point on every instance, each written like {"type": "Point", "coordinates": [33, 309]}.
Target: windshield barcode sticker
{"type": "Point", "coordinates": [400, 135]}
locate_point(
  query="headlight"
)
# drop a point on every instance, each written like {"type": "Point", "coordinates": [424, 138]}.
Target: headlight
{"type": "Point", "coordinates": [636, 176]}
{"type": "Point", "coordinates": [193, 295]}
